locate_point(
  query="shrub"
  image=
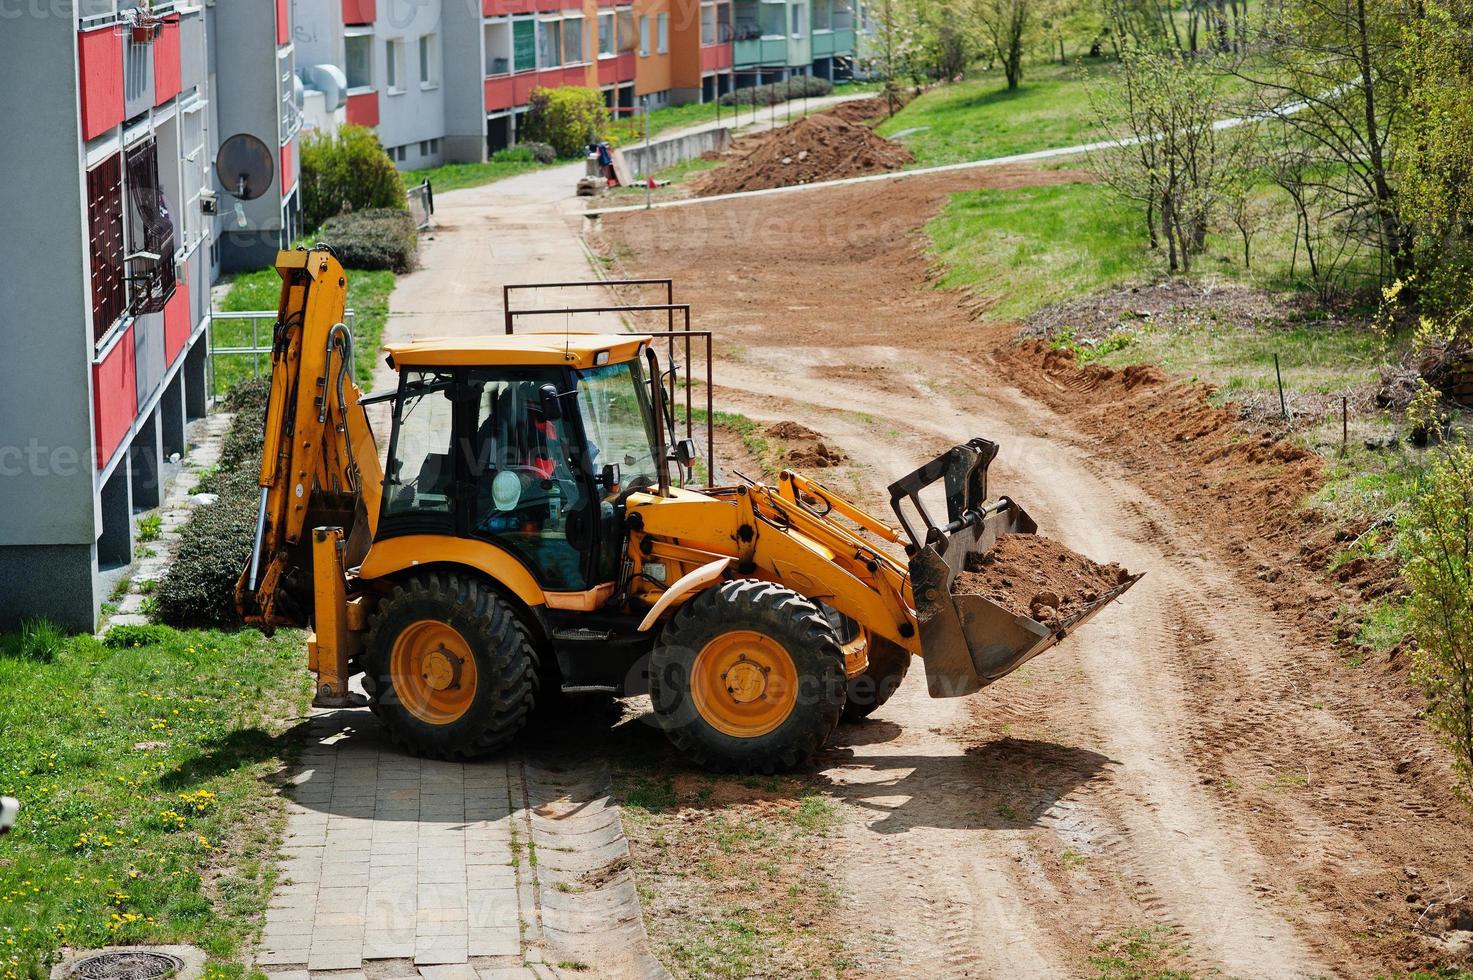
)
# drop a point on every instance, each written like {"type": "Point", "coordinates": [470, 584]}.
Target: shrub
{"type": "Point", "coordinates": [568, 118]}
{"type": "Point", "coordinates": [130, 635]}
{"type": "Point", "coordinates": [199, 589]}
{"type": "Point", "coordinates": [773, 93]}
{"type": "Point", "coordinates": [347, 172]}
{"type": "Point", "coordinates": [541, 152]}
{"type": "Point", "coordinates": [379, 239]}
{"type": "Point", "coordinates": [514, 154]}
{"type": "Point", "coordinates": [1437, 536]}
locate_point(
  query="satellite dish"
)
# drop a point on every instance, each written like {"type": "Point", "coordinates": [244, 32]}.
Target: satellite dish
{"type": "Point", "coordinates": [245, 167]}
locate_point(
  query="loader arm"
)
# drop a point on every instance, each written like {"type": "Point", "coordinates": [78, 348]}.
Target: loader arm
{"type": "Point", "coordinates": [319, 461]}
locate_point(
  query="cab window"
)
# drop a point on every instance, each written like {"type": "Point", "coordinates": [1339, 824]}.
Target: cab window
{"type": "Point", "coordinates": [528, 470]}
{"type": "Point", "coordinates": [421, 473]}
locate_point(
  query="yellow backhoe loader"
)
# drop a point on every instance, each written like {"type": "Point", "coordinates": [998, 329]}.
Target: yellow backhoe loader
{"type": "Point", "coordinates": [533, 524]}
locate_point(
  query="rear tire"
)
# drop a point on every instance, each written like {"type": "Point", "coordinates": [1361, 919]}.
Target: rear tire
{"type": "Point", "coordinates": [452, 669]}
{"type": "Point", "coordinates": [888, 664]}
{"type": "Point", "coordinates": [748, 677]}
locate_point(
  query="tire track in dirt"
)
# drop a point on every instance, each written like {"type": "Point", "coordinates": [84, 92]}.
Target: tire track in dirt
{"type": "Point", "coordinates": [1189, 868]}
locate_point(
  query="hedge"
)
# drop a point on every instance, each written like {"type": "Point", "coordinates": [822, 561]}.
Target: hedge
{"type": "Point", "coordinates": [199, 588]}
{"type": "Point", "coordinates": [568, 118]}
{"type": "Point", "coordinates": [774, 93]}
{"type": "Point", "coordinates": [347, 172]}
{"type": "Point", "coordinates": [381, 239]}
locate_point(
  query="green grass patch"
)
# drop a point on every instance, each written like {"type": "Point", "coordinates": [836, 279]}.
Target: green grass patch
{"type": "Point", "coordinates": [1024, 248]}
{"type": "Point", "coordinates": [368, 298]}
{"type": "Point", "coordinates": [457, 176]}
{"type": "Point", "coordinates": [980, 117]}
{"type": "Point", "coordinates": [146, 815]}
{"type": "Point", "coordinates": [629, 128]}
{"type": "Point", "coordinates": [1138, 954]}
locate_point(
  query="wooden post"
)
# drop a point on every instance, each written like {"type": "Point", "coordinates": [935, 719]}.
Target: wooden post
{"type": "Point", "coordinates": [1344, 424]}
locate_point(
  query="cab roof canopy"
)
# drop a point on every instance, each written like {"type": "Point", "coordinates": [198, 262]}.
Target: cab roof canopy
{"type": "Point", "coordinates": [576, 350]}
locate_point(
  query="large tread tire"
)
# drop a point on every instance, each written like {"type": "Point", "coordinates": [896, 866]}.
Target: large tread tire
{"type": "Point", "coordinates": [786, 617]}
{"type": "Point", "coordinates": [506, 666]}
{"type": "Point", "coordinates": [888, 664]}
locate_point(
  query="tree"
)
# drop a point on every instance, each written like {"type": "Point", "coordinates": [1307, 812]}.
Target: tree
{"type": "Point", "coordinates": [1166, 154]}
{"type": "Point", "coordinates": [1005, 25]}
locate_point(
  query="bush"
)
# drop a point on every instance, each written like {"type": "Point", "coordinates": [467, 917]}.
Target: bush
{"type": "Point", "coordinates": [541, 152]}
{"type": "Point", "coordinates": [1437, 537]}
{"type": "Point", "coordinates": [774, 93]}
{"type": "Point", "coordinates": [128, 635]}
{"type": "Point", "coordinates": [380, 239]}
{"type": "Point", "coordinates": [199, 589]}
{"type": "Point", "coordinates": [568, 118]}
{"type": "Point", "coordinates": [514, 154]}
{"type": "Point", "coordinates": [347, 172]}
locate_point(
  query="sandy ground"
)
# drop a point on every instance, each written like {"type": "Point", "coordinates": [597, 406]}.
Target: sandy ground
{"type": "Point", "coordinates": [1197, 763]}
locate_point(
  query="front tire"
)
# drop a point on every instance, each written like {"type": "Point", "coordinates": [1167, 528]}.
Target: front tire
{"type": "Point", "coordinates": [453, 671]}
{"type": "Point", "coordinates": [748, 677]}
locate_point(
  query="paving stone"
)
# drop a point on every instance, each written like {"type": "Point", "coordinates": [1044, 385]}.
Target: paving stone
{"type": "Point", "coordinates": [450, 971]}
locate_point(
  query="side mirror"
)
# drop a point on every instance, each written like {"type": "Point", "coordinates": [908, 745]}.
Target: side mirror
{"type": "Point", "coordinates": [686, 452]}
{"type": "Point", "coordinates": [552, 403]}
{"type": "Point", "coordinates": [610, 477]}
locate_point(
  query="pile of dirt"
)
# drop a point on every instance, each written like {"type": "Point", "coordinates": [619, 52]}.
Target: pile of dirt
{"type": "Point", "coordinates": [1038, 577]}
{"type": "Point", "coordinates": [859, 110]}
{"type": "Point", "coordinates": [821, 147]}
{"type": "Point", "coordinates": [811, 452]}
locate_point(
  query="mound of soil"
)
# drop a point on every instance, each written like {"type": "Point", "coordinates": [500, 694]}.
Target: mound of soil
{"type": "Point", "coordinates": [859, 110]}
{"type": "Point", "coordinates": [1038, 577]}
{"type": "Point", "coordinates": [790, 430]}
{"type": "Point", "coordinates": [821, 147]}
{"type": "Point", "coordinates": [818, 456]}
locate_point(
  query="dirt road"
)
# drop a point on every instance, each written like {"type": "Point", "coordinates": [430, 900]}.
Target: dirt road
{"type": "Point", "coordinates": [1193, 780]}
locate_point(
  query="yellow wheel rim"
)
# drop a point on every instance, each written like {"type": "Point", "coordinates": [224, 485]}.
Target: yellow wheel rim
{"type": "Point", "coordinates": [744, 683]}
{"type": "Point", "coordinates": [433, 672]}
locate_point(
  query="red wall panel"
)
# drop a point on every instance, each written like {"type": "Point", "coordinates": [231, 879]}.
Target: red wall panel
{"type": "Point", "coordinates": [101, 70]}
{"type": "Point", "coordinates": [500, 93]}
{"type": "Point", "coordinates": [177, 325]}
{"type": "Point", "coordinates": [114, 397]}
{"type": "Point", "coordinates": [283, 21]}
{"type": "Point", "coordinates": [166, 73]}
{"type": "Point", "coordinates": [359, 11]}
{"type": "Point", "coordinates": [715, 56]}
{"type": "Point", "coordinates": [495, 8]}
{"type": "Point", "coordinates": [363, 109]}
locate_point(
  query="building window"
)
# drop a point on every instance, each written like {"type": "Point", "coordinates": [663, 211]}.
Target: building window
{"type": "Point", "coordinates": [150, 233]}
{"type": "Point", "coordinates": [524, 44]}
{"type": "Point", "coordinates": [800, 19]}
{"type": "Point", "coordinates": [573, 40]}
{"type": "Point", "coordinates": [498, 47]}
{"type": "Point", "coordinates": [662, 23]}
{"type": "Point", "coordinates": [105, 220]}
{"type": "Point", "coordinates": [429, 67]}
{"type": "Point", "coordinates": [549, 43]}
{"type": "Point", "coordinates": [607, 35]}
{"type": "Point", "coordinates": [771, 17]}
{"type": "Point", "coordinates": [394, 61]}
{"type": "Point", "coordinates": [644, 36]}
{"type": "Point", "coordinates": [627, 36]}
{"type": "Point", "coordinates": [358, 53]}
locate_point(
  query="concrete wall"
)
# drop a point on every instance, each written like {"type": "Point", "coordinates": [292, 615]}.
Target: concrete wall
{"type": "Point", "coordinates": [412, 113]}
{"type": "Point", "coordinates": [47, 504]}
{"type": "Point", "coordinates": [669, 152]}
{"type": "Point", "coordinates": [462, 42]}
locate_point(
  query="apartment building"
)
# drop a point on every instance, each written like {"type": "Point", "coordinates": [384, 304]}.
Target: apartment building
{"type": "Point", "coordinates": [448, 80]}
{"type": "Point", "coordinates": [117, 224]}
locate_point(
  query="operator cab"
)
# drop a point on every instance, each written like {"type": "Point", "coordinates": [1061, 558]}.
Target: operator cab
{"type": "Point", "coordinates": [529, 442]}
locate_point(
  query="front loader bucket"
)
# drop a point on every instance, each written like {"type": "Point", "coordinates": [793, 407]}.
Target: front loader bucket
{"type": "Point", "coordinates": [968, 641]}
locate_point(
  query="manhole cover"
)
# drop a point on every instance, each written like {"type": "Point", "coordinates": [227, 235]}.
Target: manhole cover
{"type": "Point", "coordinates": [127, 965]}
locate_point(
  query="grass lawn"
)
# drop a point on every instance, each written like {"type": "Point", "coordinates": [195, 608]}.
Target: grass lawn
{"type": "Point", "coordinates": [1026, 248]}
{"type": "Point", "coordinates": [368, 298]}
{"type": "Point", "coordinates": [630, 128]}
{"type": "Point", "coordinates": [454, 176]}
{"type": "Point", "coordinates": [979, 117]}
{"type": "Point", "coordinates": [146, 815]}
